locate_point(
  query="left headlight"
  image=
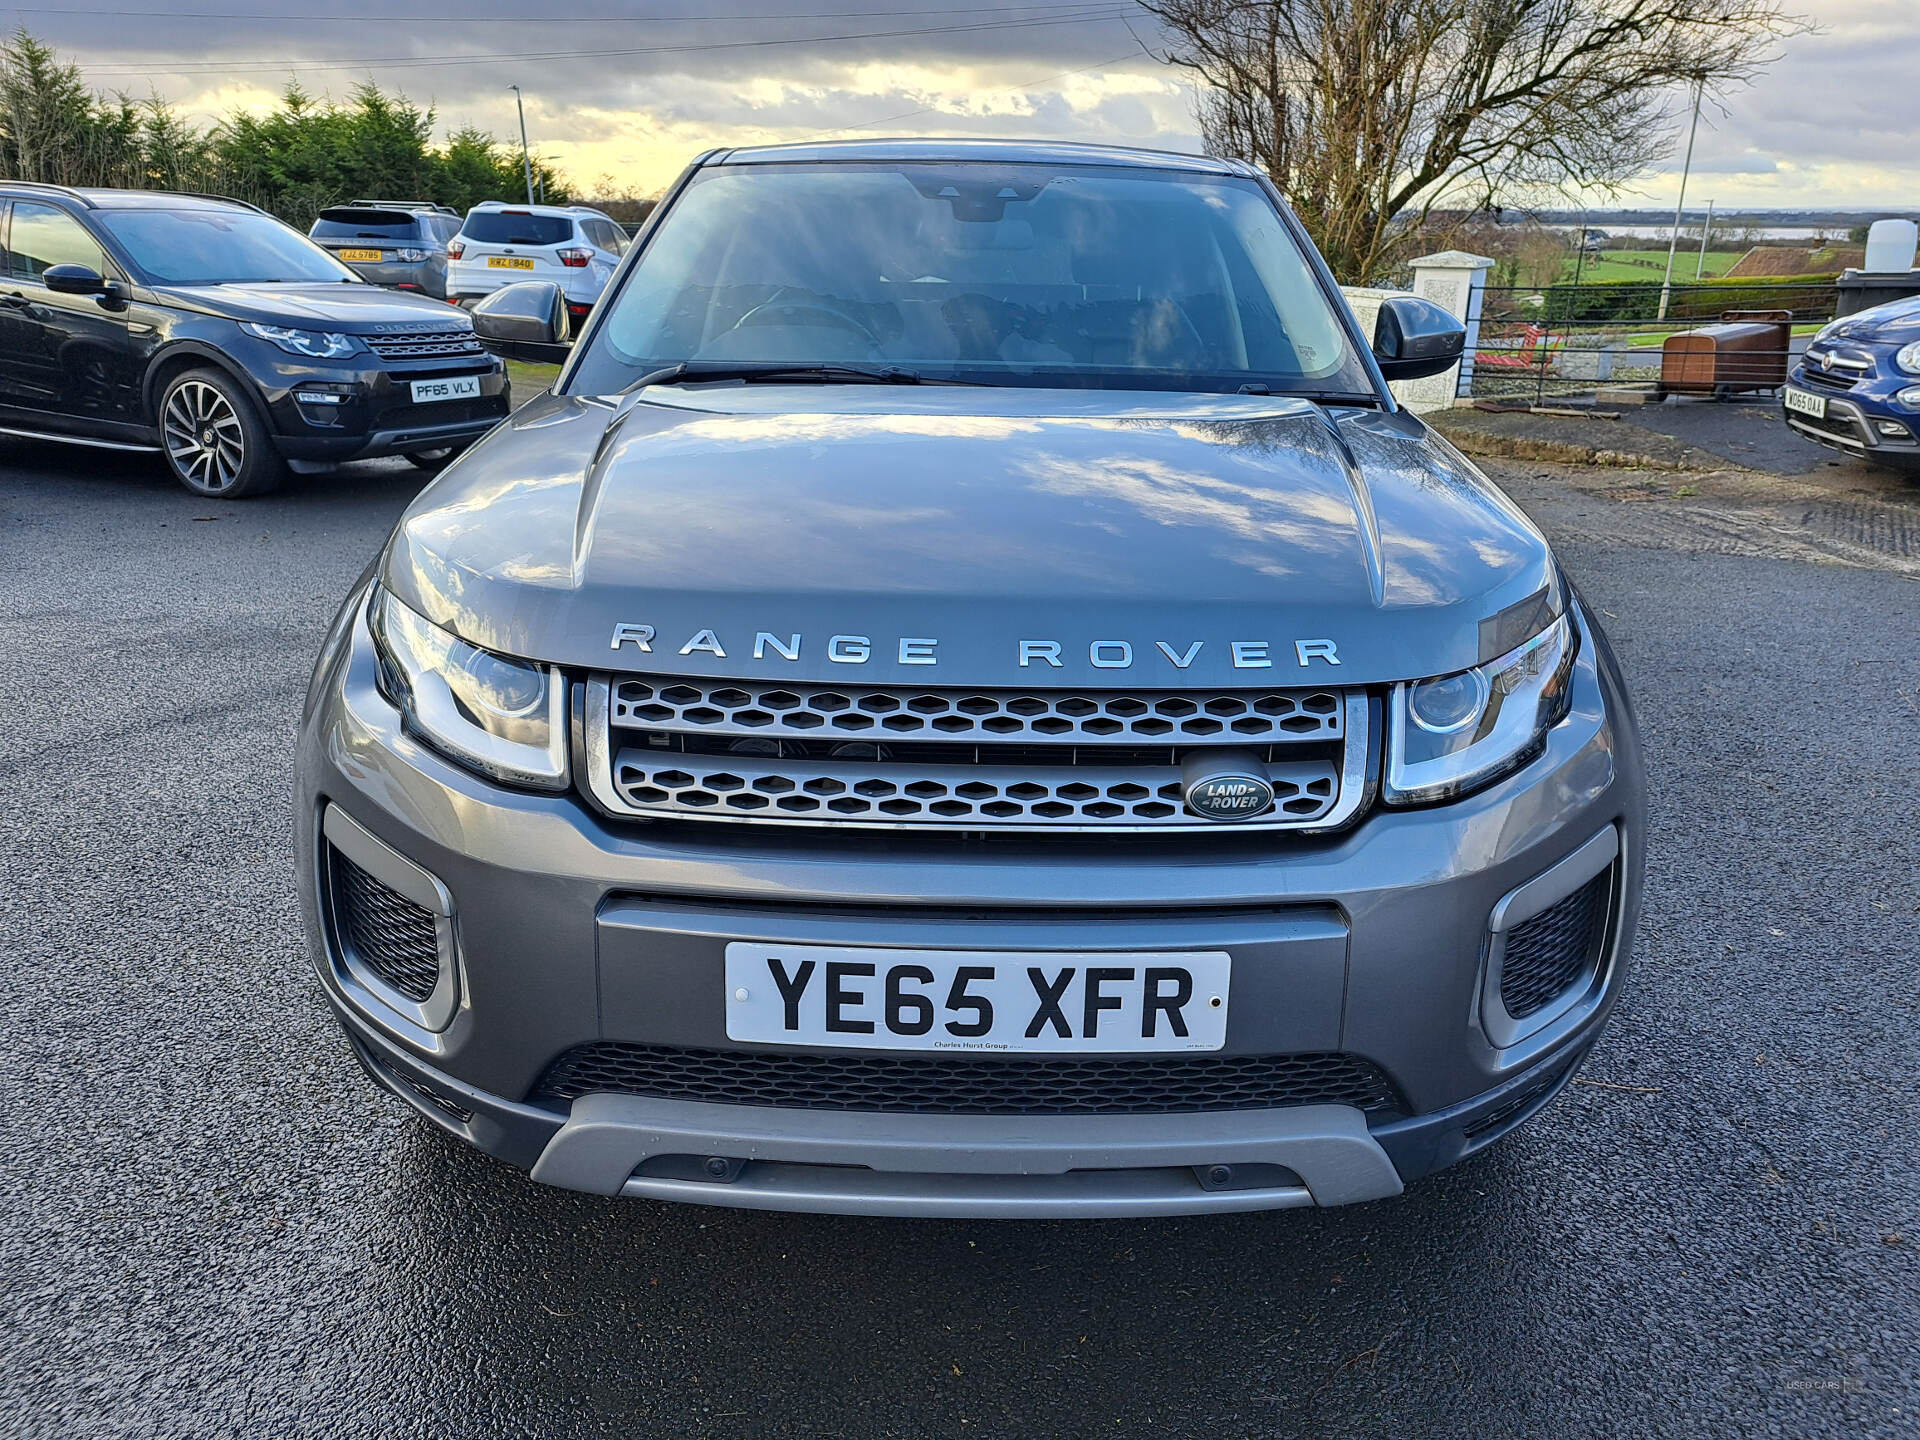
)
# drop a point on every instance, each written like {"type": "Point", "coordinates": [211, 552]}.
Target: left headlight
{"type": "Point", "coordinates": [314, 344]}
{"type": "Point", "coordinates": [1455, 733]}
{"type": "Point", "coordinates": [1907, 357]}
{"type": "Point", "coordinates": [505, 718]}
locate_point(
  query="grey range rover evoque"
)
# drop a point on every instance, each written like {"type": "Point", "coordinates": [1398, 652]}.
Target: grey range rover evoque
{"type": "Point", "coordinates": [969, 697]}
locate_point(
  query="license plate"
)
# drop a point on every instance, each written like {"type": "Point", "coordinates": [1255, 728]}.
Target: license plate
{"type": "Point", "coordinates": [460, 387]}
{"type": "Point", "coordinates": [509, 262]}
{"type": "Point", "coordinates": [1001, 1002]}
{"type": "Point", "coordinates": [365, 257]}
{"type": "Point", "coordinates": [1802, 403]}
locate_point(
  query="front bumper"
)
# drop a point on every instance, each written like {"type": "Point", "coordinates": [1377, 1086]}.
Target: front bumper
{"type": "Point", "coordinates": [376, 414]}
{"type": "Point", "coordinates": [567, 930]}
{"type": "Point", "coordinates": [1862, 420]}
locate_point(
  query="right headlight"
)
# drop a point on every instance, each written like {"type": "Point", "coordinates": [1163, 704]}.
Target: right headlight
{"type": "Point", "coordinates": [314, 344]}
{"type": "Point", "coordinates": [503, 717]}
{"type": "Point", "coordinates": [1454, 733]}
{"type": "Point", "coordinates": [1907, 357]}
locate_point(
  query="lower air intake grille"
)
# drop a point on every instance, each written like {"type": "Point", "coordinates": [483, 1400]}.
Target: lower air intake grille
{"type": "Point", "coordinates": [1555, 949]}
{"type": "Point", "coordinates": [384, 931]}
{"type": "Point", "coordinates": [1096, 1085]}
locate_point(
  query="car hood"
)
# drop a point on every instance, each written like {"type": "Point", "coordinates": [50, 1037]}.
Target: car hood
{"type": "Point", "coordinates": [354, 309]}
{"type": "Point", "coordinates": [1895, 323]}
{"type": "Point", "coordinates": [1276, 537]}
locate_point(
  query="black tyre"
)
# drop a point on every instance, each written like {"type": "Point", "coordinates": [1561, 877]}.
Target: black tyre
{"type": "Point", "coordinates": [215, 442]}
{"type": "Point", "coordinates": [431, 460]}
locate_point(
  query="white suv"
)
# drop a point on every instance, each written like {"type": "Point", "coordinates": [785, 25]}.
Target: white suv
{"type": "Point", "coordinates": [571, 245]}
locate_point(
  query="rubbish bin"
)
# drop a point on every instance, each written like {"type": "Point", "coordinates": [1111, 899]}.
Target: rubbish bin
{"type": "Point", "coordinates": [1746, 351]}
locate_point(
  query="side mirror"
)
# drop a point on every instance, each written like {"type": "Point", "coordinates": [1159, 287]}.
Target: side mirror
{"type": "Point", "coordinates": [73, 280]}
{"type": "Point", "coordinates": [1415, 338]}
{"type": "Point", "coordinates": [527, 321]}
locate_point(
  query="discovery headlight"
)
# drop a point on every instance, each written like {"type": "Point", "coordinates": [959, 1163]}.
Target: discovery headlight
{"type": "Point", "coordinates": [503, 717]}
{"type": "Point", "coordinates": [1455, 733]}
{"type": "Point", "coordinates": [314, 344]}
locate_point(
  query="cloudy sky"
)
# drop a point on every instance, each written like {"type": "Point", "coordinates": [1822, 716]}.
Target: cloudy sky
{"type": "Point", "coordinates": [634, 90]}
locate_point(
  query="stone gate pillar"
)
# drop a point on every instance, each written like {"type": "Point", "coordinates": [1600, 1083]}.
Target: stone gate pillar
{"type": "Point", "coordinates": [1455, 281]}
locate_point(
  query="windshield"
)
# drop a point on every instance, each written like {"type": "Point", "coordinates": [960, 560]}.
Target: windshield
{"type": "Point", "coordinates": [1010, 274]}
{"type": "Point", "coordinates": [517, 227]}
{"type": "Point", "coordinates": [219, 247]}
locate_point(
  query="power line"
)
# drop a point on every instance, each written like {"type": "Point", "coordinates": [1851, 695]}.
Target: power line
{"type": "Point", "coordinates": [224, 67]}
{"type": "Point", "coordinates": [335, 18]}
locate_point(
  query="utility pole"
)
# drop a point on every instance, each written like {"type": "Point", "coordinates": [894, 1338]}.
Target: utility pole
{"type": "Point", "coordinates": [1673, 242]}
{"type": "Point", "coordinates": [1580, 251]}
{"type": "Point", "coordinates": [1705, 230]}
{"type": "Point", "coordinates": [526, 159]}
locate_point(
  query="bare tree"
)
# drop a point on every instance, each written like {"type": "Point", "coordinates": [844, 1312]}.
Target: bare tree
{"type": "Point", "coordinates": [1370, 113]}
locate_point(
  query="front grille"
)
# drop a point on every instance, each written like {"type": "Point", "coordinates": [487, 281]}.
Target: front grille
{"type": "Point", "coordinates": [958, 759]}
{"type": "Point", "coordinates": [943, 1086]}
{"type": "Point", "coordinates": [1832, 423]}
{"type": "Point", "coordinates": [384, 931]}
{"type": "Point", "coordinates": [441, 412]}
{"type": "Point", "coordinates": [1547, 955]}
{"type": "Point", "coordinates": [425, 344]}
{"type": "Point", "coordinates": [1829, 379]}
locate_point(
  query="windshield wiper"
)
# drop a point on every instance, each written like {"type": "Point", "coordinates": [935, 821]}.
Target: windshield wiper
{"type": "Point", "coordinates": [1318, 397]}
{"type": "Point", "coordinates": [701, 372]}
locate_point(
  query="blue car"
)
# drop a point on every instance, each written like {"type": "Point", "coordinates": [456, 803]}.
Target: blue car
{"type": "Point", "coordinates": [1858, 387]}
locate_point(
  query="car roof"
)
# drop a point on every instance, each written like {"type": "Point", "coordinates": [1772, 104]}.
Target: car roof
{"type": "Point", "coordinates": [574, 211]}
{"type": "Point", "coordinates": [1045, 152]}
{"type": "Point", "coordinates": [102, 199]}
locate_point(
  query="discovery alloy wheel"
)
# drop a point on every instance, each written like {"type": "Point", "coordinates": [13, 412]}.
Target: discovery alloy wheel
{"type": "Point", "coordinates": [214, 441]}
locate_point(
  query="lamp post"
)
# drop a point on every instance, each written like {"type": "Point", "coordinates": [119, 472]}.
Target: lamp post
{"type": "Point", "coordinates": [1673, 241]}
{"type": "Point", "coordinates": [1700, 268]}
{"type": "Point", "coordinates": [526, 158]}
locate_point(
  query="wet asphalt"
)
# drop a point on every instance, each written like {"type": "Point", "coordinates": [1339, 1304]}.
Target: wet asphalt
{"type": "Point", "coordinates": [211, 1226]}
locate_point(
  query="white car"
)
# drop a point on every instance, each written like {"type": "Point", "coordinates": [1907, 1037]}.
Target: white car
{"type": "Point", "coordinates": [575, 247]}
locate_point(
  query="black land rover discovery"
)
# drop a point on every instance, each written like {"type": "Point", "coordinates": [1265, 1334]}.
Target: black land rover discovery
{"type": "Point", "coordinates": [205, 329]}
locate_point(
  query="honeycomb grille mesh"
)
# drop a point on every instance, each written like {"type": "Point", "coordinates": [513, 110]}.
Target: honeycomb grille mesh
{"type": "Point", "coordinates": [941, 1086]}
{"type": "Point", "coordinates": [974, 796]}
{"type": "Point", "coordinates": [424, 344]}
{"type": "Point", "coordinates": [1557, 948]}
{"type": "Point", "coordinates": [384, 931]}
{"type": "Point", "coordinates": [1093, 717]}
{"type": "Point", "coordinates": [898, 756]}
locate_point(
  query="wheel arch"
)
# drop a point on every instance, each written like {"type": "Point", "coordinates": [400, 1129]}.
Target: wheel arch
{"type": "Point", "coordinates": [187, 355]}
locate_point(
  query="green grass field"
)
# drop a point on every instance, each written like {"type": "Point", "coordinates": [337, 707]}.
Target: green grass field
{"type": "Point", "coordinates": [529, 380]}
{"type": "Point", "coordinates": [1652, 265]}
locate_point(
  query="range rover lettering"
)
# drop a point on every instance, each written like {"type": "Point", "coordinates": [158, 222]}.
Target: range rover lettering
{"type": "Point", "coordinates": [969, 697]}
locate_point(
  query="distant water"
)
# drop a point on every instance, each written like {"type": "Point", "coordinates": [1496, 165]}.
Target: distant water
{"type": "Point", "coordinates": [1807, 233]}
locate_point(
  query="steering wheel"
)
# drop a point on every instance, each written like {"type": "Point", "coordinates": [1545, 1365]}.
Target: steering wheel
{"type": "Point", "coordinates": [788, 312]}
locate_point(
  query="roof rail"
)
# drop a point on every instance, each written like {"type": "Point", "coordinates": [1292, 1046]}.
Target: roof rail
{"type": "Point", "coordinates": [66, 190]}
{"type": "Point", "coordinates": [404, 205]}
{"type": "Point", "coordinates": [228, 199]}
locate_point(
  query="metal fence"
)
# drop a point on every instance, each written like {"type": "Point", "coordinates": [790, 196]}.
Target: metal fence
{"type": "Point", "coordinates": [1558, 343]}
